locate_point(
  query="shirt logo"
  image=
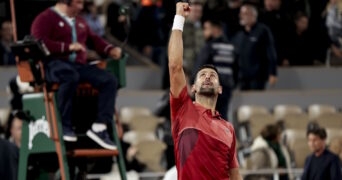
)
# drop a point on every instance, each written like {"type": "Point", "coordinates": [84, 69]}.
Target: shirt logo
{"type": "Point", "coordinates": [39, 126]}
{"type": "Point", "coordinates": [61, 24]}
{"type": "Point", "coordinates": [81, 25]}
{"type": "Point", "coordinates": [226, 130]}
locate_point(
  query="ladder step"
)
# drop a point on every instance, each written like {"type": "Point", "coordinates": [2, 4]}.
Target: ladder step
{"type": "Point", "coordinates": [92, 153]}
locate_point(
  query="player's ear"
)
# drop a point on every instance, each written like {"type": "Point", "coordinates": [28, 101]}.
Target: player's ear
{"type": "Point", "coordinates": [193, 89]}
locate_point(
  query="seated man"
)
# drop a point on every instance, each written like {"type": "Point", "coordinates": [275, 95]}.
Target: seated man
{"type": "Point", "coordinates": [321, 163]}
{"type": "Point", "coordinates": [65, 34]}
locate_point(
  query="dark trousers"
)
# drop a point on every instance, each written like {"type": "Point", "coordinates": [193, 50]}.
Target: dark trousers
{"type": "Point", "coordinates": [223, 100]}
{"type": "Point", "coordinates": [252, 84]}
{"type": "Point", "coordinates": [69, 75]}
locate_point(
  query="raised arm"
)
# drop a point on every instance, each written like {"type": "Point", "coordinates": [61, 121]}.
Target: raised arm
{"type": "Point", "coordinates": [175, 51]}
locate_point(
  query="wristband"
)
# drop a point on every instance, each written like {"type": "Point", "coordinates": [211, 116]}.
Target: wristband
{"type": "Point", "coordinates": [178, 23]}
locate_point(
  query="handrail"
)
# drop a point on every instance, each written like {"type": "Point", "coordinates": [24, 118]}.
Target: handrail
{"type": "Point", "coordinates": [131, 51]}
{"type": "Point", "coordinates": [270, 171]}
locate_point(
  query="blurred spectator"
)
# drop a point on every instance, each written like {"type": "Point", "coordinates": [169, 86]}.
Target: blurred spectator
{"type": "Point", "coordinates": [267, 152]}
{"type": "Point", "coordinates": [301, 43]}
{"type": "Point", "coordinates": [148, 20]}
{"type": "Point", "coordinates": [93, 18]}
{"type": "Point", "coordinates": [221, 53]}
{"type": "Point", "coordinates": [168, 15]}
{"type": "Point", "coordinates": [14, 127]}
{"type": "Point", "coordinates": [257, 55]}
{"type": "Point", "coordinates": [6, 56]}
{"type": "Point", "coordinates": [151, 43]}
{"type": "Point", "coordinates": [279, 23]}
{"type": "Point", "coordinates": [318, 28]}
{"type": "Point", "coordinates": [193, 35]}
{"type": "Point", "coordinates": [117, 19]}
{"type": "Point", "coordinates": [232, 20]}
{"type": "Point", "coordinates": [321, 164]}
{"type": "Point", "coordinates": [215, 9]}
{"type": "Point", "coordinates": [334, 25]}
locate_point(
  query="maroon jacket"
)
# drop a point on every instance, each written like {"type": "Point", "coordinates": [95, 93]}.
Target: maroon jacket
{"type": "Point", "coordinates": [56, 33]}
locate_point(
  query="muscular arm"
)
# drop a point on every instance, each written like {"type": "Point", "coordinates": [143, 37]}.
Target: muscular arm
{"type": "Point", "coordinates": [234, 174]}
{"type": "Point", "coordinates": [175, 56]}
{"type": "Point", "coordinates": [177, 77]}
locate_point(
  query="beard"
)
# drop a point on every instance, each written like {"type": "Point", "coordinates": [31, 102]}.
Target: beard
{"type": "Point", "coordinates": [208, 91]}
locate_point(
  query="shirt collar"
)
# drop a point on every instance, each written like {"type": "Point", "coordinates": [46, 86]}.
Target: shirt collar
{"type": "Point", "coordinates": [203, 110]}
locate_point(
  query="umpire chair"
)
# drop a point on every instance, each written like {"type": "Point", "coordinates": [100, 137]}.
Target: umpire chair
{"type": "Point", "coordinates": [42, 138]}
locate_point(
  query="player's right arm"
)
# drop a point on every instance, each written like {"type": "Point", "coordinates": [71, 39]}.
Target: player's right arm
{"type": "Point", "coordinates": [175, 53]}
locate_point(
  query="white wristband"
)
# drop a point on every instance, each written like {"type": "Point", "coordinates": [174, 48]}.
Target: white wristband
{"type": "Point", "coordinates": [178, 23]}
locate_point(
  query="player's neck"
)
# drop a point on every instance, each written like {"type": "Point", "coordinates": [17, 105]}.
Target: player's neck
{"type": "Point", "coordinates": [207, 102]}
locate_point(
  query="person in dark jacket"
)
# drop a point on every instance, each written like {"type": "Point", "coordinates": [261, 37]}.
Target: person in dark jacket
{"type": "Point", "coordinates": [256, 49]}
{"type": "Point", "coordinates": [321, 164]}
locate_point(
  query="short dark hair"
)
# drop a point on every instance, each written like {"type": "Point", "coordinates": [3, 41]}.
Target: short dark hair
{"type": "Point", "coordinates": [270, 132]}
{"type": "Point", "coordinates": [317, 130]}
{"type": "Point", "coordinates": [205, 66]}
{"type": "Point", "coordinates": [215, 22]}
{"type": "Point", "coordinates": [209, 66]}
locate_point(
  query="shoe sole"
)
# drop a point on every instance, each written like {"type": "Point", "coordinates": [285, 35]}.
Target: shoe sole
{"type": "Point", "coordinates": [99, 141]}
{"type": "Point", "coordinates": [69, 138]}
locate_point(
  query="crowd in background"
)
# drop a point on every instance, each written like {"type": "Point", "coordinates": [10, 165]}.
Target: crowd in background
{"type": "Point", "coordinates": [302, 30]}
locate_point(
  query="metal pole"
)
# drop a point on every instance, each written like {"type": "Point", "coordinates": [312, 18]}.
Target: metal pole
{"type": "Point", "coordinates": [14, 22]}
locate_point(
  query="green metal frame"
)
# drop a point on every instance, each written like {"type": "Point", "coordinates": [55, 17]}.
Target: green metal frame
{"type": "Point", "coordinates": [119, 70]}
{"type": "Point", "coordinates": [36, 134]}
{"type": "Point", "coordinates": [39, 140]}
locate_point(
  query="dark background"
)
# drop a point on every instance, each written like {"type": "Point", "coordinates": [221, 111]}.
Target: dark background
{"type": "Point", "coordinates": [26, 11]}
